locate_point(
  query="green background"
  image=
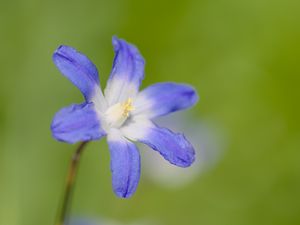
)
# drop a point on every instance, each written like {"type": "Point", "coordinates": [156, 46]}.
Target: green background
{"type": "Point", "coordinates": [242, 57]}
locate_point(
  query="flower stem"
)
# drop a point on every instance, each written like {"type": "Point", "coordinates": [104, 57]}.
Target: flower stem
{"type": "Point", "coordinates": [67, 198]}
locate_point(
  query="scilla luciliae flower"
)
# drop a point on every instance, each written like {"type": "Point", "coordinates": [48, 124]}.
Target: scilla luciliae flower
{"type": "Point", "coordinates": [122, 113]}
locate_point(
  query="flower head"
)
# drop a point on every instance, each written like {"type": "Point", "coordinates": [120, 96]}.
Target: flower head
{"type": "Point", "coordinates": [122, 113]}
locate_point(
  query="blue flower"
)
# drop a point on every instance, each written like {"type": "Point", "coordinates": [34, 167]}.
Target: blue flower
{"type": "Point", "coordinates": [122, 113]}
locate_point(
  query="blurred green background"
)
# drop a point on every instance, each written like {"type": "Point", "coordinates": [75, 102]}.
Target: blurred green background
{"type": "Point", "coordinates": [242, 57]}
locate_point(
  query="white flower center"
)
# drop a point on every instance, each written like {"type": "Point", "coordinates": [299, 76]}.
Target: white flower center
{"type": "Point", "coordinates": [117, 114]}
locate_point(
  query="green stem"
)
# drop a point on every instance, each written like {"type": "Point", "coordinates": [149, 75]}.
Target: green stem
{"type": "Point", "coordinates": [67, 199]}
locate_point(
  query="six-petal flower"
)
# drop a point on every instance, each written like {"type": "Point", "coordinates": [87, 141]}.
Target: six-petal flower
{"type": "Point", "coordinates": [122, 113]}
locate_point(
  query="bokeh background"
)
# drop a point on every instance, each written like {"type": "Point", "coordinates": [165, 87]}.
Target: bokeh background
{"type": "Point", "coordinates": [242, 57]}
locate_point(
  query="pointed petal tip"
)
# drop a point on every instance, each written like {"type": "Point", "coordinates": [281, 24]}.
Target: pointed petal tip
{"type": "Point", "coordinates": [123, 194]}
{"type": "Point", "coordinates": [118, 42]}
{"type": "Point", "coordinates": [187, 156]}
{"type": "Point", "coordinates": [190, 94]}
{"type": "Point", "coordinates": [130, 48]}
{"type": "Point", "coordinates": [190, 154]}
{"type": "Point", "coordinates": [58, 138]}
{"type": "Point", "coordinates": [187, 160]}
{"type": "Point", "coordinates": [61, 49]}
{"type": "Point", "coordinates": [115, 41]}
{"type": "Point", "coordinates": [194, 94]}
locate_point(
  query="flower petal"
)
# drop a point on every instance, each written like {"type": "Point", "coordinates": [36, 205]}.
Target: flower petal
{"type": "Point", "coordinates": [127, 72]}
{"type": "Point", "coordinates": [78, 69]}
{"type": "Point", "coordinates": [174, 147]}
{"type": "Point", "coordinates": [125, 164]}
{"type": "Point", "coordinates": [77, 123]}
{"type": "Point", "coordinates": [164, 98]}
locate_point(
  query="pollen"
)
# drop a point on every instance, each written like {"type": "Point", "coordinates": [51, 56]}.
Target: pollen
{"type": "Point", "coordinates": [118, 113]}
{"type": "Point", "coordinates": [127, 107]}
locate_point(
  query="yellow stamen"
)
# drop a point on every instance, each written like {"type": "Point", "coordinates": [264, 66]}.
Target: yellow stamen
{"type": "Point", "coordinates": [127, 107]}
{"type": "Point", "coordinates": [118, 113]}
